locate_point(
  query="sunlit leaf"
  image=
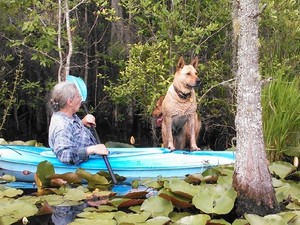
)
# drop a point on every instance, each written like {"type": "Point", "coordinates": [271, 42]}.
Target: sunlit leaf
{"type": "Point", "coordinates": [8, 178]}
{"type": "Point", "coordinates": [219, 222]}
{"type": "Point", "coordinates": [12, 192]}
{"type": "Point", "coordinates": [215, 199]}
{"type": "Point", "coordinates": [126, 202]}
{"type": "Point", "coordinates": [240, 222]}
{"type": "Point", "coordinates": [267, 220]}
{"type": "Point", "coordinates": [131, 217]}
{"type": "Point", "coordinates": [288, 190]}
{"type": "Point", "coordinates": [94, 178]}
{"type": "Point", "coordinates": [93, 222]}
{"type": "Point", "coordinates": [280, 168]}
{"type": "Point", "coordinates": [159, 220]}
{"type": "Point", "coordinates": [200, 219]}
{"type": "Point", "coordinates": [177, 200]}
{"type": "Point", "coordinates": [157, 206]}
{"type": "Point", "coordinates": [17, 208]}
{"type": "Point", "coordinates": [183, 188]}
{"type": "Point", "coordinates": [75, 194]}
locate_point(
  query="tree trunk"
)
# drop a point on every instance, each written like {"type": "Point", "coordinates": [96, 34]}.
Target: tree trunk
{"type": "Point", "coordinates": [252, 179]}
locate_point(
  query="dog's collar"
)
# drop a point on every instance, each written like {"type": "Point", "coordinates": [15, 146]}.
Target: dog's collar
{"type": "Point", "coordinates": [181, 94]}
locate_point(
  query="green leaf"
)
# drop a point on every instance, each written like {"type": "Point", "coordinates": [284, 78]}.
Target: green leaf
{"type": "Point", "coordinates": [200, 219]}
{"type": "Point", "coordinates": [280, 168]}
{"type": "Point", "coordinates": [44, 170]}
{"type": "Point", "coordinates": [267, 220]}
{"type": "Point", "coordinates": [157, 206]}
{"type": "Point", "coordinates": [215, 199]}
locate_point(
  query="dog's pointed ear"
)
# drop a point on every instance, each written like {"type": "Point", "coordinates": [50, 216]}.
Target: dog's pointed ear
{"type": "Point", "coordinates": [194, 63]}
{"type": "Point", "coordinates": [180, 63]}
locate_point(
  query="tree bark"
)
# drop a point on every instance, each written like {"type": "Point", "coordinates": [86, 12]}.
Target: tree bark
{"type": "Point", "coordinates": [252, 179]}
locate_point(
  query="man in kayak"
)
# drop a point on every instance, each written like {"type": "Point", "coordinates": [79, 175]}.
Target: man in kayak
{"type": "Point", "coordinates": [70, 137]}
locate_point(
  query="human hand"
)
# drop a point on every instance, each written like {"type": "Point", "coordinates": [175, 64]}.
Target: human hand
{"type": "Point", "coordinates": [89, 120]}
{"type": "Point", "coordinates": [99, 149]}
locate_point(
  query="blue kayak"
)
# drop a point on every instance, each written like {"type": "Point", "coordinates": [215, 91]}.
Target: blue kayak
{"type": "Point", "coordinates": [132, 163]}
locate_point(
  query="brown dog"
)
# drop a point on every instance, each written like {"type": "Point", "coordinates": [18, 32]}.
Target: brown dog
{"type": "Point", "coordinates": [180, 122]}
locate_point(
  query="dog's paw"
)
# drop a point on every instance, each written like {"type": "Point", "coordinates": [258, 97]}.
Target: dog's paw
{"type": "Point", "coordinates": [196, 148]}
{"type": "Point", "coordinates": [172, 148]}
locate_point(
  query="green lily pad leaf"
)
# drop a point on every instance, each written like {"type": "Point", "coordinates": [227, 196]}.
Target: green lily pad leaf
{"type": "Point", "coordinates": [182, 188]}
{"type": "Point", "coordinates": [157, 206]}
{"type": "Point", "coordinates": [75, 194]}
{"type": "Point", "coordinates": [93, 222]}
{"type": "Point", "coordinates": [93, 215]}
{"type": "Point", "coordinates": [30, 143]}
{"type": "Point", "coordinates": [132, 217]}
{"type": "Point", "coordinates": [178, 201]}
{"type": "Point", "coordinates": [12, 192]}
{"type": "Point", "coordinates": [215, 199]}
{"type": "Point", "coordinates": [17, 209]}
{"type": "Point", "coordinates": [3, 142]}
{"type": "Point", "coordinates": [152, 183]}
{"type": "Point", "coordinates": [7, 220]}
{"type": "Point", "coordinates": [8, 178]}
{"type": "Point", "coordinates": [94, 178]}
{"type": "Point", "coordinates": [17, 142]}
{"type": "Point", "coordinates": [44, 170]}
{"type": "Point", "coordinates": [159, 220]}
{"type": "Point", "coordinates": [212, 172]}
{"type": "Point", "coordinates": [219, 222]}
{"type": "Point", "coordinates": [267, 220]}
{"type": "Point", "coordinates": [126, 202]}
{"type": "Point", "coordinates": [53, 200]}
{"type": "Point", "coordinates": [175, 216]}
{"type": "Point", "coordinates": [293, 206]}
{"type": "Point", "coordinates": [280, 168]}
{"type": "Point", "coordinates": [276, 182]}
{"type": "Point", "coordinates": [289, 189]}
{"type": "Point", "coordinates": [136, 208]}
{"type": "Point", "coordinates": [240, 222]}
{"type": "Point", "coordinates": [289, 217]}
{"type": "Point", "coordinates": [200, 219]}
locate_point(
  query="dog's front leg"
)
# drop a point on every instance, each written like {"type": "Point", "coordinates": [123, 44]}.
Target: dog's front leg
{"type": "Point", "coordinates": [192, 127]}
{"type": "Point", "coordinates": [168, 123]}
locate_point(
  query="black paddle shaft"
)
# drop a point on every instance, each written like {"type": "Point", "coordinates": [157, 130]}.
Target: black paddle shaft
{"type": "Point", "coordinates": [113, 177]}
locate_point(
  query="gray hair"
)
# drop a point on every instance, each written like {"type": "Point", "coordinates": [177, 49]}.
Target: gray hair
{"type": "Point", "coordinates": [61, 93]}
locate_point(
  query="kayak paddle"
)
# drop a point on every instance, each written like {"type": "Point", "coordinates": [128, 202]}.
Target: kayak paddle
{"type": "Point", "coordinates": [83, 92]}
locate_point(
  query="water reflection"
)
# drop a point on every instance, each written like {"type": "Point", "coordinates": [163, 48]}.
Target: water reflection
{"type": "Point", "coordinates": [63, 215]}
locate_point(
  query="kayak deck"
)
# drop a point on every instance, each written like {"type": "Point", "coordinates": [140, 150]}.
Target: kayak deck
{"type": "Point", "coordinates": [132, 163]}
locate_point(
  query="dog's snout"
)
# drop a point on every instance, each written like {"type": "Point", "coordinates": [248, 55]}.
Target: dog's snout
{"type": "Point", "coordinates": [197, 82]}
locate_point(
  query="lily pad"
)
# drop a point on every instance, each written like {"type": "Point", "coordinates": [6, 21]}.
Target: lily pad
{"type": "Point", "coordinates": [282, 169]}
{"type": "Point", "coordinates": [266, 220]}
{"type": "Point", "coordinates": [134, 218]}
{"type": "Point", "coordinates": [182, 188]}
{"type": "Point", "coordinates": [177, 200]}
{"type": "Point", "coordinates": [44, 170]}
{"type": "Point", "coordinates": [215, 199]}
{"type": "Point", "coordinates": [157, 206]}
{"type": "Point", "coordinates": [200, 219]}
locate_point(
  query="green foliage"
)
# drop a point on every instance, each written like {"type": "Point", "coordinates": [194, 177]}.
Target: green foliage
{"type": "Point", "coordinates": [145, 78]}
{"type": "Point", "coordinates": [169, 29]}
{"type": "Point", "coordinates": [281, 112]}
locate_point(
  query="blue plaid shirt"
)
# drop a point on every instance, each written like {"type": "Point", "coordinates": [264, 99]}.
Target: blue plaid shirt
{"type": "Point", "coordinates": [69, 138]}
